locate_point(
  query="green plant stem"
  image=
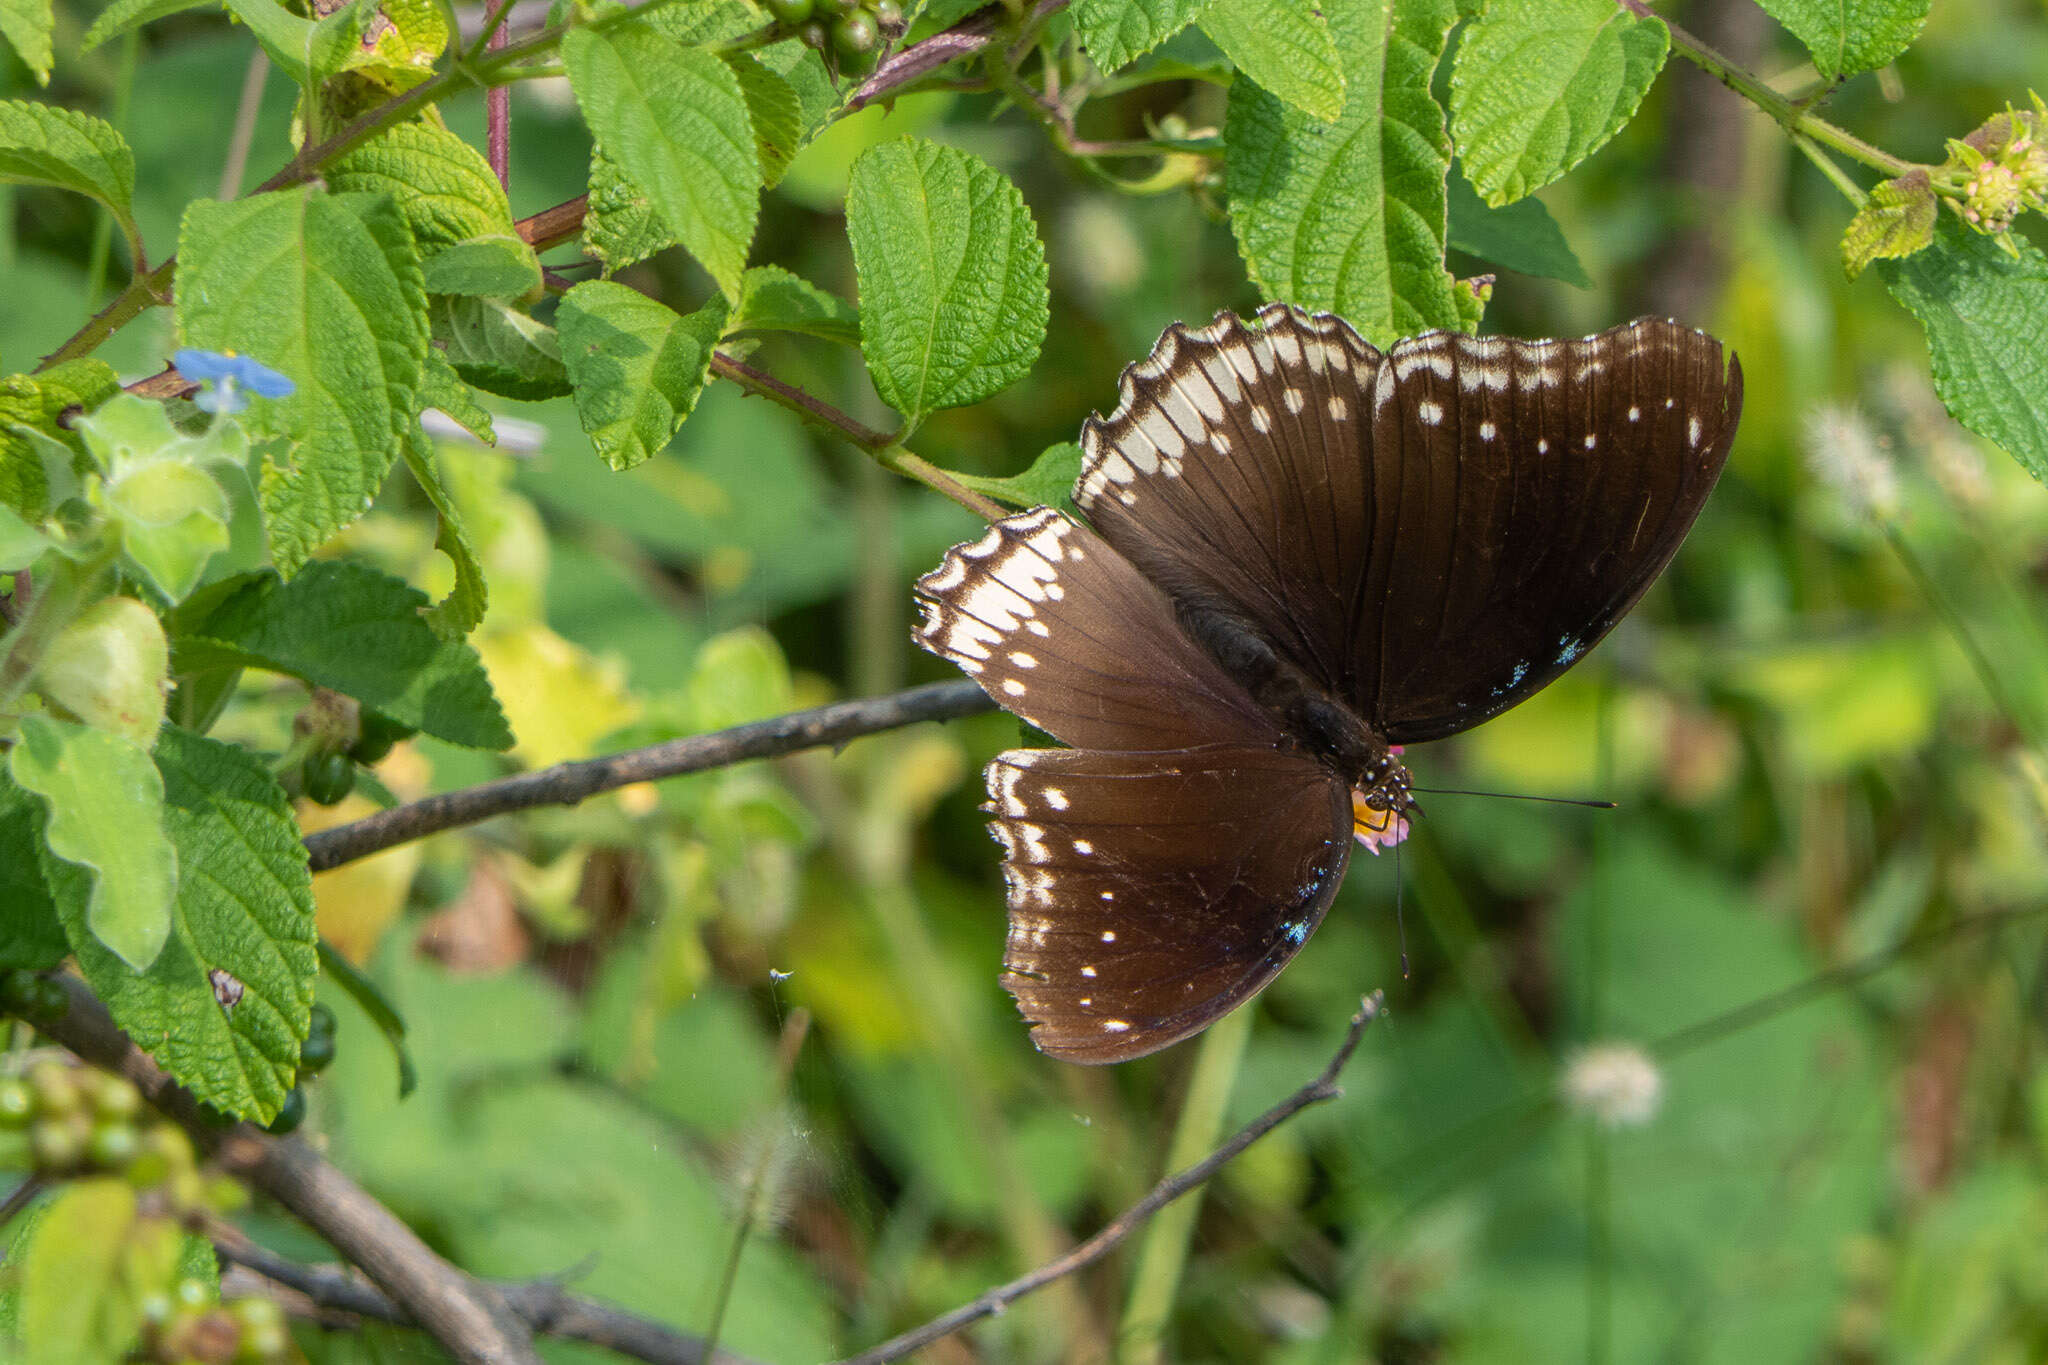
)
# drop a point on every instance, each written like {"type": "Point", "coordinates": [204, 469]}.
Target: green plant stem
{"type": "Point", "coordinates": [1164, 1251]}
{"type": "Point", "coordinates": [61, 592]}
{"type": "Point", "coordinates": [1599, 1248]}
{"type": "Point", "coordinates": [103, 229]}
{"type": "Point", "coordinates": [1959, 630]}
{"type": "Point", "coordinates": [1788, 113]}
{"type": "Point", "coordinates": [761, 1176]}
{"type": "Point", "coordinates": [931, 476]}
{"type": "Point", "coordinates": [1851, 191]}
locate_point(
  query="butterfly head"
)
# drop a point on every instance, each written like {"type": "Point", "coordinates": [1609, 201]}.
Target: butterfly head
{"type": "Point", "coordinates": [1380, 806]}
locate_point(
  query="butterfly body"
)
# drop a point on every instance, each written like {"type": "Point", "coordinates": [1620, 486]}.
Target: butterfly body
{"type": "Point", "coordinates": [1302, 553]}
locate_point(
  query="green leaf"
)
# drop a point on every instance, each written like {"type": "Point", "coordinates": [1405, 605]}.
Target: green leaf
{"type": "Point", "coordinates": [1348, 215]}
{"type": "Point", "coordinates": [104, 817]}
{"type": "Point", "coordinates": [1049, 482]}
{"type": "Point", "coordinates": [27, 26]}
{"type": "Point", "coordinates": [498, 348]}
{"type": "Point", "coordinates": [620, 225]}
{"type": "Point", "coordinates": [952, 276]}
{"type": "Point", "coordinates": [1117, 32]}
{"type": "Point", "coordinates": [71, 1310]}
{"type": "Point", "coordinates": [125, 15]}
{"type": "Point", "coordinates": [1898, 220]}
{"type": "Point", "coordinates": [775, 111]}
{"type": "Point", "coordinates": [1521, 236]}
{"type": "Point", "coordinates": [347, 627]}
{"type": "Point", "coordinates": [306, 51]}
{"type": "Point", "coordinates": [244, 922]}
{"type": "Point", "coordinates": [444, 389]}
{"type": "Point", "coordinates": [41, 144]}
{"type": "Point", "coordinates": [373, 1002]}
{"type": "Point", "coordinates": [1284, 45]}
{"type": "Point", "coordinates": [637, 366]}
{"type": "Point", "coordinates": [327, 290]}
{"type": "Point", "coordinates": [457, 614]}
{"type": "Point", "coordinates": [38, 401]}
{"type": "Point", "coordinates": [1847, 36]}
{"type": "Point", "coordinates": [31, 935]}
{"type": "Point", "coordinates": [443, 186]}
{"type": "Point", "coordinates": [774, 300]}
{"type": "Point", "coordinates": [20, 543]}
{"type": "Point", "coordinates": [1540, 85]}
{"type": "Point", "coordinates": [675, 121]}
{"type": "Point", "coordinates": [1985, 313]}
{"type": "Point", "coordinates": [500, 266]}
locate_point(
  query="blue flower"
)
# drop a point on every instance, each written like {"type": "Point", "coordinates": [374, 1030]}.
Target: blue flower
{"type": "Point", "coordinates": [228, 374]}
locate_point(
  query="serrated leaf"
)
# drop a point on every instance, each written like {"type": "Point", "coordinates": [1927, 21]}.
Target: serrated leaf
{"type": "Point", "coordinates": [774, 300]}
{"type": "Point", "coordinates": [500, 266]}
{"type": "Point", "coordinates": [124, 15]}
{"type": "Point", "coordinates": [327, 290]}
{"type": "Point", "coordinates": [703, 22]}
{"type": "Point", "coordinates": [499, 348]}
{"type": "Point", "coordinates": [775, 111]}
{"type": "Point", "coordinates": [70, 1310]}
{"type": "Point", "coordinates": [445, 390]}
{"type": "Point", "coordinates": [953, 300]}
{"type": "Point", "coordinates": [27, 25]}
{"type": "Point", "coordinates": [1348, 215]}
{"type": "Point", "coordinates": [675, 121]}
{"type": "Point", "coordinates": [41, 144]}
{"type": "Point", "coordinates": [306, 50]}
{"type": "Point", "coordinates": [1048, 483]}
{"type": "Point", "coordinates": [1540, 85]}
{"type": "Point", "coordinates": [1897, 220]}
{"type": "Point", "coordinates": [1985, 313]}
{"type": "Point", "coordinates": [103, 805]}
{"type": "Point", "coordinates": [1284, 45]}
{"type": "Point", "coordinates": [620, 225]}
{"type": "Point", "coordinates": [347, 627]}
{"type": "Point", "coordinates": [402, 43]}
{"type": "Point", "coordinates": [20, 543]}
{"type": "Point", "coordinates": [1847, 36]}
{"type": "Point", "coordinates": [443, 185]}
{"type": "Point", "coordinates": [31, 936]}
{"type": "Point", "coordinates": [637, 365]}
{"type": "Point", "coordinates": [1521, 236]}
{"type": "Point", "coordinates": [36, 402]}
{"type": "Point", "coordinates": [226, 1003]}
{"type": "Point", "coordinates": [1117, 32]}
{"type": "Point", "coordinates": [457, 614]}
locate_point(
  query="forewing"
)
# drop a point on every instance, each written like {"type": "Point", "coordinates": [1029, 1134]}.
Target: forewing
{"type": "Point", "coordinates": [1524, 495]}
{"type": "Point", "coordinates": [1061, 630]}
{"type": "Point", "coordinates": [1151, 894]}
{"type": "Point", "coordinates": [1233, 474]}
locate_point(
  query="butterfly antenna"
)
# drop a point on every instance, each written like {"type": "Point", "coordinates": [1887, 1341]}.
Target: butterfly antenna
{"type": "Point", "coordinates": [1400, 885]}
{"type": "Point", "coordinates": [1521, 796]}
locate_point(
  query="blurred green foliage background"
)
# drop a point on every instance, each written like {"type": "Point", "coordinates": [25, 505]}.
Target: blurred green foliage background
{"type": "Point", "coordinates": [1818, 907]}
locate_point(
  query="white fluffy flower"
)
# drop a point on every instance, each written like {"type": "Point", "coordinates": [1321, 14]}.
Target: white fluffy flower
{"type": "Point", "coordinates": [1616, 1083]}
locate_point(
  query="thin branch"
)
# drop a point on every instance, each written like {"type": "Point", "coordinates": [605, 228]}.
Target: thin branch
{"type": "Point", "coordinates": [565, 784]}
{"type": "Point", "coordinates": [1323, 1087]}
{"type": "Point", "coordinates": [466, 1316]}
{"type": "Point", "coordinates": [544, 1305]}
{"type": "Point", "coordinates": [802, 404]}
{"type": "Point", "coordinates": [919, 60]}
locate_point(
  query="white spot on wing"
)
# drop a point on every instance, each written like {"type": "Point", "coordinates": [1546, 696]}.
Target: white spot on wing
{"type": "Point", "coordinates": [1430, 412]}
{"type": "Point", "coordinates": [1486, 431]}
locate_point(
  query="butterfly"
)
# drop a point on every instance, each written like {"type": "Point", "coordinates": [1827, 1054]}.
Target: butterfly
{"type": "Point", "coordinates": [1300, 554]}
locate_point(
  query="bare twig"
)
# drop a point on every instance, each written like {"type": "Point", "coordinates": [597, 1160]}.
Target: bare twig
{"type": "Point", "coordinates": [544, 1305]}
{"type": "Point", "coordinates": [1323, 1087]}
{"type": "Point", "coordinates": [797, 401]}
{"type": "Point", "coordinates": [565, 784]}
{"type": "Point", "coordinates": [466, 1316]}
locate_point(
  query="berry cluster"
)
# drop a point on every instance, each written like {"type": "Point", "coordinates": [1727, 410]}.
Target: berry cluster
{"type": "Point", "coordinates": [314, 1056]}
{"type": "Point", "coordinates": [190, 1324]}
{"type": "Point", "coordinates": [58, 1118]}
{"type": "Point", "coordinates": [848, 33]}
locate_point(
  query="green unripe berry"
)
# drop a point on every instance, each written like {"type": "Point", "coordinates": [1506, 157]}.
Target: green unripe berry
{"type": "Point", "coordinates": [789, 13]}
{"type": "Point", "coordinates": [290, 1115]}
{"type": "Point", "coordinates": [56, 1144]}
{"type": "Point", "coordinates": [814, 35]}
{"type": "Point", "coordinates": [855, 36]}
{"type": "Point", "coordinates": [328, 778]}
{"type": "Point", "coordinates": [257, 1311]}
{"type": "Point", "coordinates": [186, 1190]}
{"type": "Point", "coordinates": [113, 1145]}
{"type": "Point", "coordinates": [260, 1344]}
{"type": "Point", "coordinates": [14, 990]}
{"type": "Point", "coordinates": [17, 1102]}
{"type": "Point", "coordinates": [113, 1097]}
{"type": "Point", "coordinates": [888, 14]}
{"type": "Point", "coordinates": [155, 1308]}
{"type": "Point", "coordinates": [56, 1088]}
{"type": "Point", "coordinates": [320, 1020]}
{"type": "Point", "coordinates": [168, 1142]}
{"type": "Point", "coordinates": [194, 1294]}
{"type": "Point", "coordinates": [375, 735]}
{"type": "Point", "coordinates": [316, 1053]}
{"type": "Point", "coordinates": [225, 1194]}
